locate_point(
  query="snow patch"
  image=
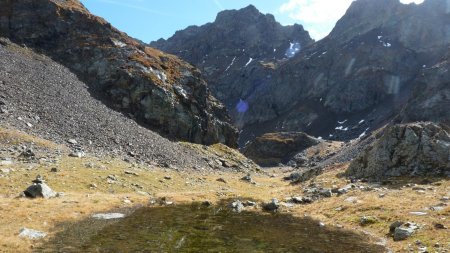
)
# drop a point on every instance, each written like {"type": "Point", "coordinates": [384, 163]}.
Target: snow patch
{"type": "Point", "coordinates": [293, 49]}
{"type": "Point", "coordinates": [118, 43]}
{"type": "Point", "coordinates": [341, 128]}
{"type": "Point", "coordinates": [231, 64]}
{"type": "Point", "coordinates": [342, 122]}
{"type": "Point", "coordinates": [363, 134]}
{"type": "Point", "coordinates": [249, 61]}
{"type": "Point", "coordinates": [360, 122]}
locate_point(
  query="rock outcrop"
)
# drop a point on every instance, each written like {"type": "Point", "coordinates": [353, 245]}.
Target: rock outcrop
{"type": "Point", "coordinates": [274, 148]}
{"type": "Point", "coordinates": [415, 149]}
{"type": "Point", "coordinates": [32, 88]}
{"type": "Point", "coordinates": [157, 89]}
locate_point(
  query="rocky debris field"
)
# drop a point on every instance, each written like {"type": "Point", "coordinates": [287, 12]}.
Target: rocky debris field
{"type": "Point", "coordinates": [158, 89]}
{"type": "Point", "coordinates": [42, 97]}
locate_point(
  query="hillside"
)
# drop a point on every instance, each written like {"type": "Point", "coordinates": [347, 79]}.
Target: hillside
{"type": "Point", "coordinates": [157, 89]}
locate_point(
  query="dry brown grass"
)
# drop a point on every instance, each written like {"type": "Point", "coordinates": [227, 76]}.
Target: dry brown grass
{"type": "Point", "coordinates": [15, 137]}
{"type": "Point", "coordinates": [76, 176]}
{"type": "Point", "coordinates": [397, 204]}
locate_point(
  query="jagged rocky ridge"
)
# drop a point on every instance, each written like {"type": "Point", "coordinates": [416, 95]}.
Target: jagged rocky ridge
{"type": "Point", "coordinates": [355, 80]}
{"type": "Point", "coordinates": [155, 88]}
{"type": "Point", "coordinates": [237, 52]}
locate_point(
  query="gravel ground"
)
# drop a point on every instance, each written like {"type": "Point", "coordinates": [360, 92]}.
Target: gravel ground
{"type": "Point", "coordinates": [44, 98]}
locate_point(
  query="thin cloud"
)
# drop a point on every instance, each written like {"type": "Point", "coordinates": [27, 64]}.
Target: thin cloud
{"type": "Point", "coordinates": [136, 7]}
{"type": "Point", "coordinates": [318, 16]}
{"type": "Point", "coordinates": [411, 1]}
{"type": "Point", "coordinates": [219, 5]}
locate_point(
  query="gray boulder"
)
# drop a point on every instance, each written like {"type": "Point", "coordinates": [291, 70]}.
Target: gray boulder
{"type": "Point", "coordinates": [272, 206]}
{"type": "Point", "coordinates": [416, 149]}
{"type": "Point", "coordinates": [404, 231]}
{"type": "Point", "coordinates": [39, 189]}
{"type": "Point", "coordinates": [237, 206]}
{"type": "Point", "coordinates": [31, 234]}
{"type": "Point", "coordinates": [108, 216]}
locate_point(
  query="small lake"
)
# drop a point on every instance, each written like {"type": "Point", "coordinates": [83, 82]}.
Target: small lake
{"type": "Point", "coordinates": [199, 228]}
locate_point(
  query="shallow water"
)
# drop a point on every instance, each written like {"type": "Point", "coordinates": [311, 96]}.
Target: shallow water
{"type": "Point", "coordinates": [197, 228]}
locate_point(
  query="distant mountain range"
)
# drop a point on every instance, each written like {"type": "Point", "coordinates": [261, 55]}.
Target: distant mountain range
{"type": "Point", "coordinates": [384, 61]}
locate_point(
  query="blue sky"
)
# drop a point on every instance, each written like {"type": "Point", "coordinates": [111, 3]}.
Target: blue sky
{"type": "Point", "coordinates": [150, 20]}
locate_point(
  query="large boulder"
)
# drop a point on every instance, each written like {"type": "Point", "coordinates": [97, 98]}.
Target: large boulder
{"type": "Point", "coordinates": [274, 148]}
{"type": "Point", "coordinates": [159, 90]}
{"type": "Point", "coordinates": [414, 149]}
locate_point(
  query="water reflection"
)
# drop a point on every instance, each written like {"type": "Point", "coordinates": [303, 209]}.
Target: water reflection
{"type": "Point", "coordinates": [198, 228]}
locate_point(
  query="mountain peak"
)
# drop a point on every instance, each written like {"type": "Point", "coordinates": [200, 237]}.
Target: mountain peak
{"type": "Point", "coordinates": [247, 13]}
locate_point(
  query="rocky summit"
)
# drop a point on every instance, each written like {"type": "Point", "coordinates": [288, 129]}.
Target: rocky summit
{"type": "Point", "coordinates": [157, 89]}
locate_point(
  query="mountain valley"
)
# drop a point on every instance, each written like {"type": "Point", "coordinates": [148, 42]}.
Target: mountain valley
{"type": "Point", "coordinates": [348, 134]}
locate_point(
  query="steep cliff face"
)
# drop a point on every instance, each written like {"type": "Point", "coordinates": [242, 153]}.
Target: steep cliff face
{"type": "Point", "coordinates": [158, 89]}
{"type": "Point", "coordinates": [431, 95]}
{"type": "Point", "coordinates": [237, 52]}
{"type": "Point", "coordinates": [351, 82]}
{"type": "Point", "coordinates": [362, 74]}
